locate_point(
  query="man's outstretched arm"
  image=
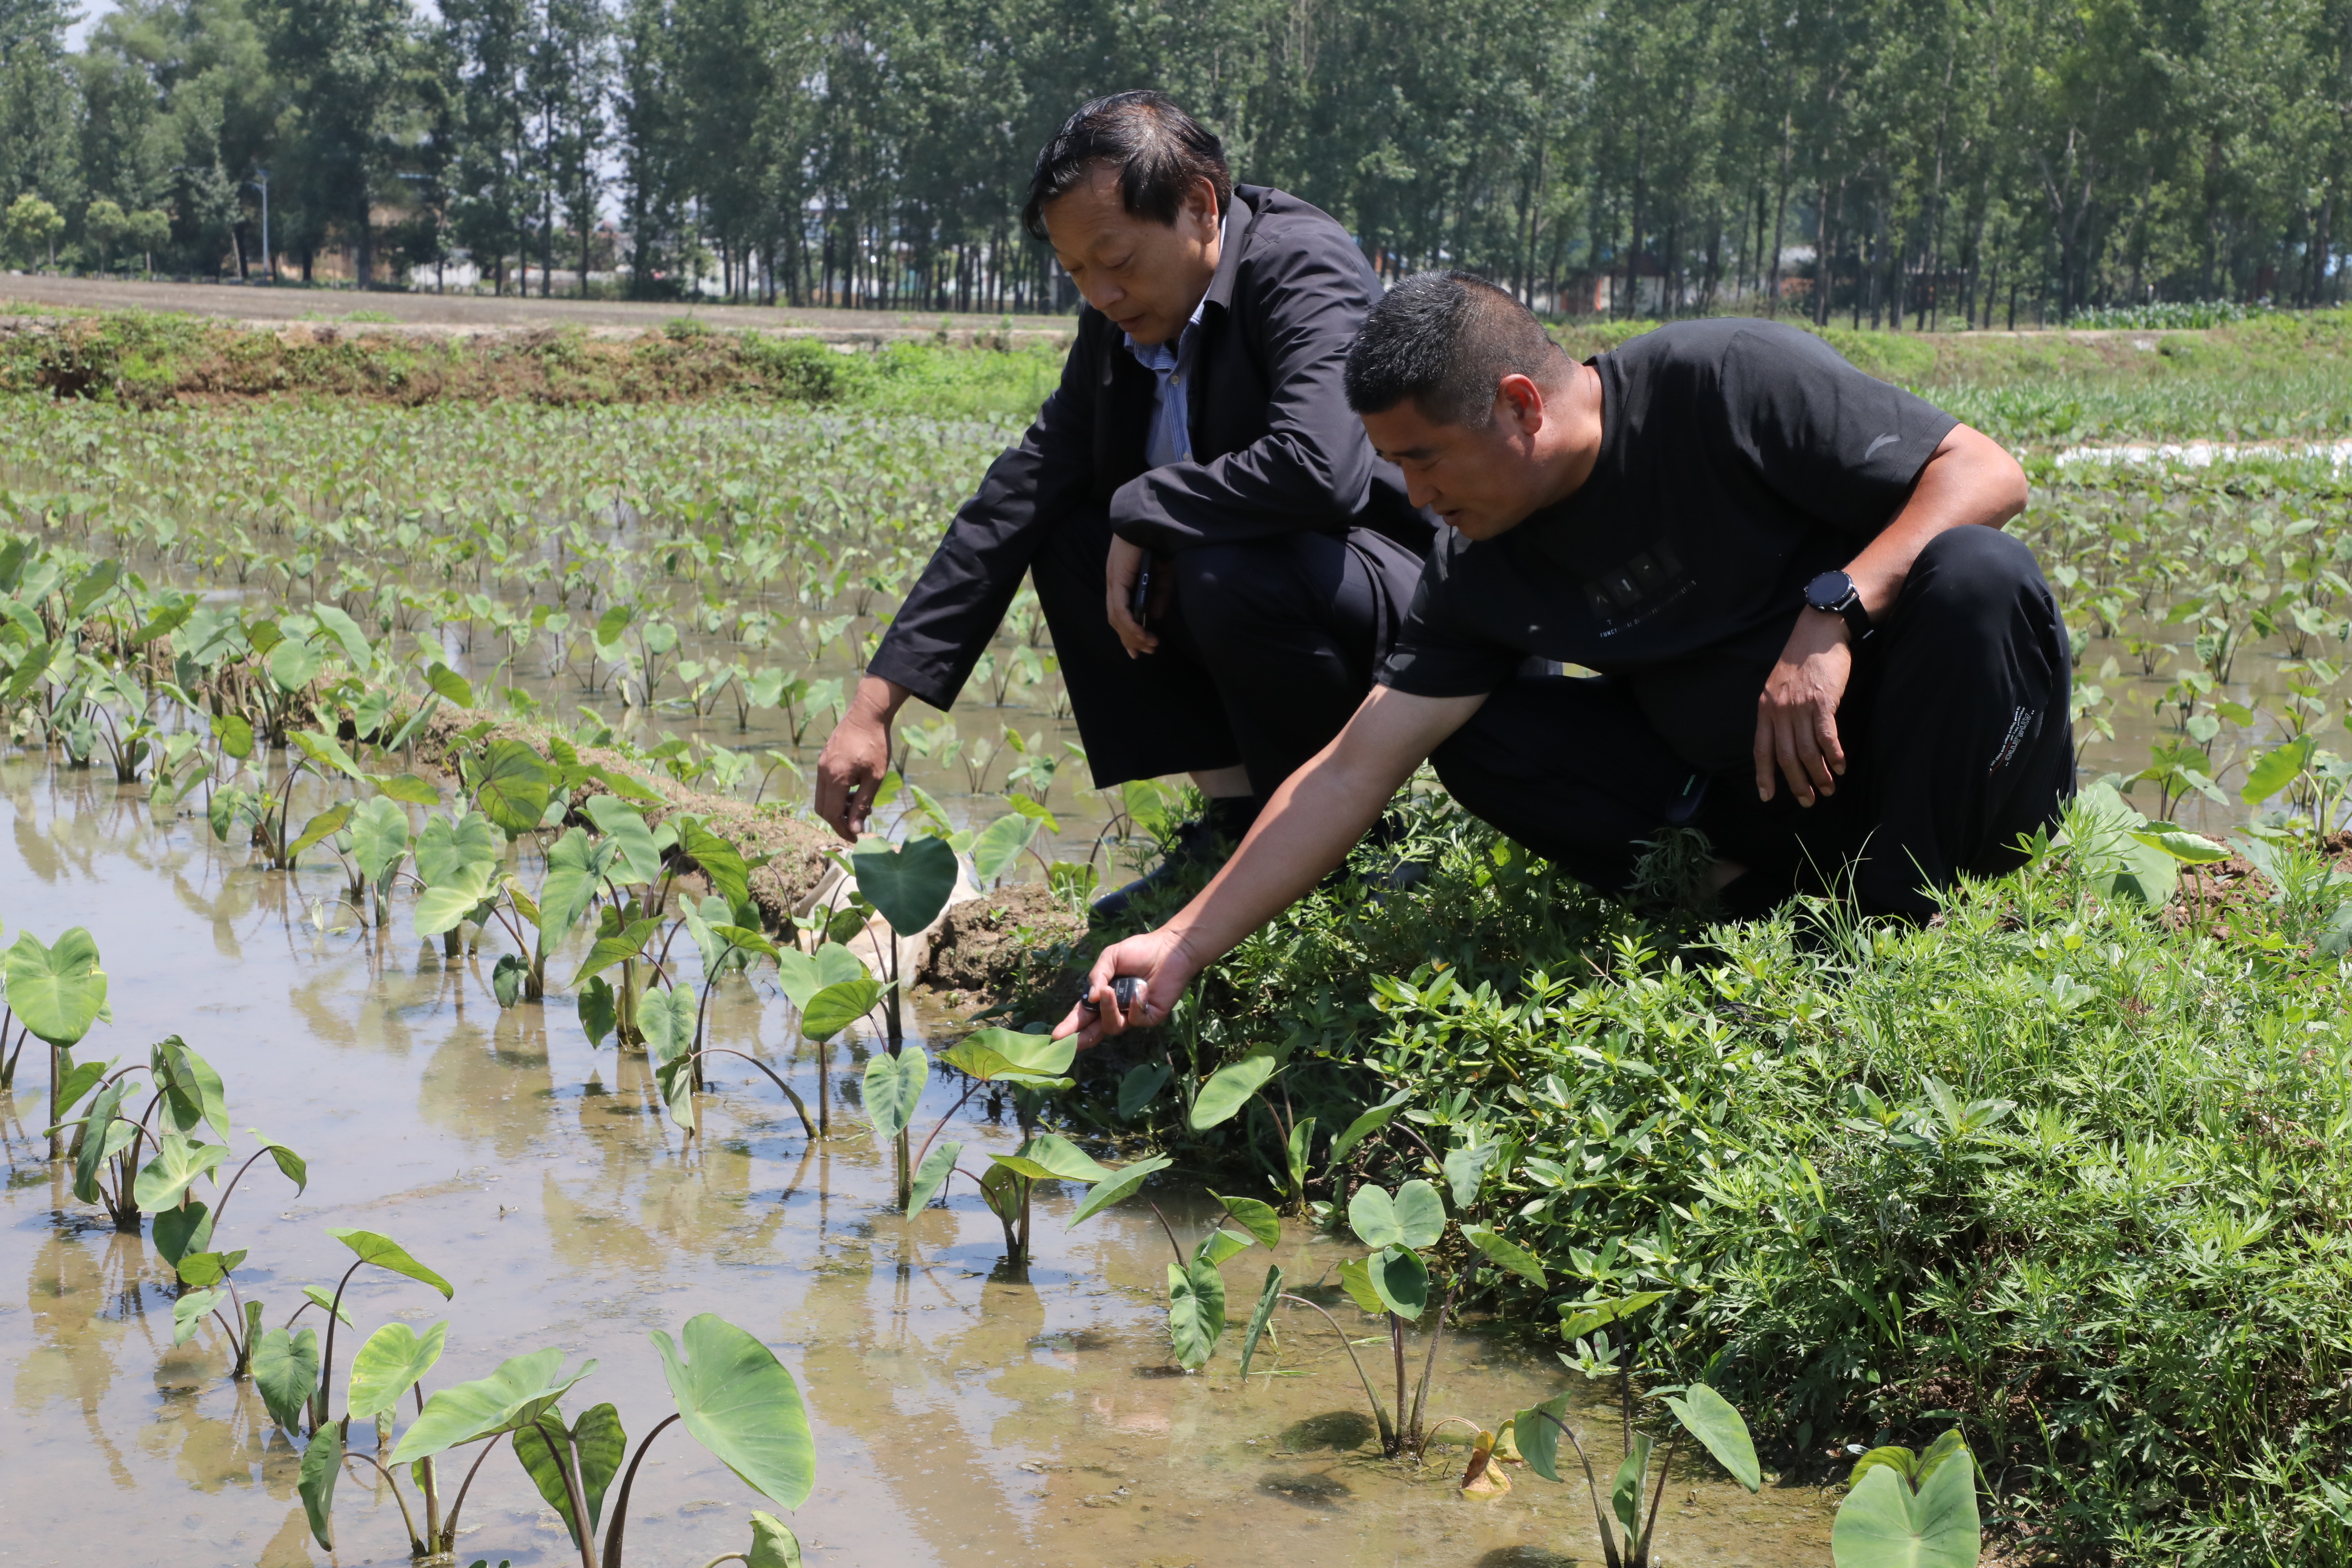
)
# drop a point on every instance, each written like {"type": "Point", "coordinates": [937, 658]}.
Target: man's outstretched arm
{"type": "Point", "coordinates": [1307, 828]}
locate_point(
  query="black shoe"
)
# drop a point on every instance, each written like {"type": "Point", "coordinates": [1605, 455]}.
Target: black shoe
{"type": "Point", "coordinates": [1205, 841]}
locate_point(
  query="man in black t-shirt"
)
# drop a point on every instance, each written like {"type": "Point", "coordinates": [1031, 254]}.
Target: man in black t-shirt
{"type": "Point", "coordinates": [1813, 641]}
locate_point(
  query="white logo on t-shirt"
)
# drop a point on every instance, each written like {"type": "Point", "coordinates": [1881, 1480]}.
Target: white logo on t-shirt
{"type": "Point", "coordinates": [1872, 450]}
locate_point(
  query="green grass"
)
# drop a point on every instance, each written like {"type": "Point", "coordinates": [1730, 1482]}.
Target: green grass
{"type": "Point", "coordinates": [2047, 1168]}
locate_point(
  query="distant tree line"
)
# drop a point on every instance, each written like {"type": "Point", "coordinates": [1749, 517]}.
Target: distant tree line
{"type": "Point", "coordinates": [1923, 162]}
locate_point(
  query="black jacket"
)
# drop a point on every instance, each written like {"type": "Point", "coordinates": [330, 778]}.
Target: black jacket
{"type": "Point", "coordinates": [1276, 449]}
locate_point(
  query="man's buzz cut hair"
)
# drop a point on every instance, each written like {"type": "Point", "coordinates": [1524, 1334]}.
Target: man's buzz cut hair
{"type": "Point", "coordinates": [1160, 153]}
{"type": "Point", "coordinates": [1446, 340]}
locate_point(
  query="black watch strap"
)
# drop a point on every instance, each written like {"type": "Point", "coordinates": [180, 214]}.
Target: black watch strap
{"type": "Point", "coordinates": [1834, 593]}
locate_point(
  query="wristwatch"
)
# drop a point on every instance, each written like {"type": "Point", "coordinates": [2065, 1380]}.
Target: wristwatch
{"type": "Point", "coordinates": [1834, 594]}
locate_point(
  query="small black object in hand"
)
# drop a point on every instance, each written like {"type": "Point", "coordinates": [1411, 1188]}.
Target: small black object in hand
{"type": "Point", "coordinates": [1128, 989]}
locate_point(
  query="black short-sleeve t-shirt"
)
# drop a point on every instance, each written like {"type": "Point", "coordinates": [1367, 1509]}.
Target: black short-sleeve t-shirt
{"type": "Point", "coordinates": [1739, 460]}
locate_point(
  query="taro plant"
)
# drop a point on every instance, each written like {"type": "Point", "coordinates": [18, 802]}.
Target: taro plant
{"type": "Point", "coordinates": [56, 994]}
{"type": "Point", "coordinates": [187, 1096]}
{"type": "Point", "coordinates": [1699, 1411]}
{"type": "Point", "coordinates": [832, 989]}
{"type": "Point", "coordinates": [731, 1394]}
{"type": "Point", "coordinates": [1904, 1509]}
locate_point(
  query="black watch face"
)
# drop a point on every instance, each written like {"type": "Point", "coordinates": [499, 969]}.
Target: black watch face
{"type": "Point", "coordinates": [1827, 591]}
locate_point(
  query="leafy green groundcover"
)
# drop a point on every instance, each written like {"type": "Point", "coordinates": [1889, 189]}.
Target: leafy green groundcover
{"type": "Point", "coordinates": [2047, 1167]}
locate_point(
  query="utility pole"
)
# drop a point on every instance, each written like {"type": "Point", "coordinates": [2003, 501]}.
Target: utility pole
{"type": "Point", "coordinates": [260, 182]}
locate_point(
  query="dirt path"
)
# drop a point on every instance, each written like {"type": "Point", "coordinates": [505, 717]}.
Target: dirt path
{"type": "Point", "coordinates": [472, 313]}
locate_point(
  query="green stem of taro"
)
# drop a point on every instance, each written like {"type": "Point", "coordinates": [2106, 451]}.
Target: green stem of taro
{"type": "Point", "coordinates": [416, 1546]}
{"type": "Point", "coordinates": [1600, 1520]}
{"type": "Point", "coordinates": [1428, 1370]}
{"type": "Point", "coordinates": [1396, 1344]}
{"type": "Point", "coordinates": [327, 1362]}
{"type": "Point", "coordinates": [621, 1503]}
{"type": "Point", "coordinates": [1388, 1433]}
{"type": "Point", "coordinates": [806, 1126]}
{"type": "Point", "coordinates": [562, 1454]}
{"type": "Point", "coordinates": [1650, 1526]}
{"type": "Point", "coordinates": [449, 1530]}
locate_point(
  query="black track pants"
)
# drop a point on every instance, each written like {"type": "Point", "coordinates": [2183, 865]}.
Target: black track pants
{"type": "Point", "coordinates": [1956, 733]}
{"type": "Point", "coordinates": [1267, 649]}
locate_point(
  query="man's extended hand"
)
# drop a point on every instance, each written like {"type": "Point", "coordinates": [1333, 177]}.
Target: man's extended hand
{"type": "Point", "coordinates": [1796, 718]}
{"type": "Point", "coordinates": [1165, 963]}
{"type": "Point", "coordinates": [850, 767]}
{"type": "Point", "coordinates": [1119, 572]}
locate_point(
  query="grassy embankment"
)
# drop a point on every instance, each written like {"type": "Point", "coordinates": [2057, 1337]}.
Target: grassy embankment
{"type": "Point", "coordinates": [2270, 378]}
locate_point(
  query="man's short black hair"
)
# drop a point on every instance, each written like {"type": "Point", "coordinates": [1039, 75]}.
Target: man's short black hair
{"type": "Point", "coordinates": [1159, 150]}
{"type": "Point", "coordinates": [1446, 340]}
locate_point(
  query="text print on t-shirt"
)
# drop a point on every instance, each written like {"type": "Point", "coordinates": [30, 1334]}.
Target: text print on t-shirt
{"type": "Point", "coordinates": [1633, 590]}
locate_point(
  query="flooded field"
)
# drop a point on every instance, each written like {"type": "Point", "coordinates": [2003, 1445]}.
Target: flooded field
{"type": "Point", "coordinates": [963, 1416]}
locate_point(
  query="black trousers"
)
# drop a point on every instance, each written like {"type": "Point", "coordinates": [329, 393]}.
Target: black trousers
{"type": "Point", "coordinates": [1264, 654]}
{"type": "Point", "coordinates": [1955, 726]}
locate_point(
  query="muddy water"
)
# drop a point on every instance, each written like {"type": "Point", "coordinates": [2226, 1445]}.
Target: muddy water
{"type": "Point", "coordinates": [964, 1416]}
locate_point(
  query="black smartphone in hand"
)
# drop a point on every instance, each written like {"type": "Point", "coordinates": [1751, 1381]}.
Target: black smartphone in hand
{"type": "Point", "coordinates": [1140, 594]}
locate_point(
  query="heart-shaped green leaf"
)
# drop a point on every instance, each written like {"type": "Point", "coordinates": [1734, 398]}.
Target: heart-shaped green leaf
{"type": "Point", "coordinates": [319, 829]}
{"type": "Point", "coordinates": [1047, 1156]}
{"type": "Point", "coordinates": [936, 1167]}
{"type": "Point", "coordinates": [625, 944]}
{"type": "Point", "coordinates": [379, 836]}
{"type": "Point", "coordinates": [451, 685]}
{"type": "Point", "coordinates": [56, 991]}
{"type": "Point", "coordinates": [180, 1232]}
{"type": "Point", "coordinates": [1709, 1418]}
{"type": "Point", "coordinates": [178, 1162]}
{"type": "Point", "coordinates": [322, 1461]}
{"type": "Point", "coordinates": [773, 1545]}
{"type": "Point", "coordinates": [1883, 1523]}
{"type": "Point", "coordinates": [837, 1007]}
{"type": "Point", "coordinates": [908, 886]}
{"type": "Point", "coordinates": [286, 1371]}
{"type": "Point", "coordinates": [1365, 1125]}
{"type": "Point", "coordinates": [389, 1364]}
{"type": "Point", "coordinates": [1258, 1218]}
{"type": "Point", "coordinates": [894, 1088]}
{"type": "Point", "coordinates": [1196, 1313]}
{"type": "Point", "coordinates": [1229, 1087]}
{"type": "Point", "coordinates": [522, 1388]}
{"type": "Point", "coordinates": [999, 845]}
{"type": "Point", "coordinates": [1504, 1254]}
{"type": "Point", "coordinates": [1539, 1438]}
{"type": "Point", "coordinates": [1400, 1278]}
{"type": "Point", "coordinates": [739, 1402]}
{"type": "Point", "coordinates": [993, 1053]}
{"type": "Point", "coordinates": [1141, 1085]}
{"type": "Point", "coordinates": [189, 1310]}
{"type": "Point", "coordinates": [448, 846]}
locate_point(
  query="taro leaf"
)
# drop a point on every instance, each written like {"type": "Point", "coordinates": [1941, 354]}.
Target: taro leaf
{"type": "Point", "coordinates": [999, 845]}
{"type": "Point", "coordinates": [205, 1270]}
{"type": "Point", "coordinates": [894, 1088]}
{"type": "Point", "coordinates": [386, 1253]}
{"type": "Point", "coordinates": [319, 828]}
{"type": "Point", "coordinates": [328, 752]}
{"type": "Point", "coordinates": [1196, 1313]}
{"type": "Point", "coordinates": [1504, 1254]}
{"type": "Point", "coordinates": [507, 976]}
{"type": "Point", "coordinates": [1218, 1245]}
{"type": "Point", "coordinates": [389, 1364]}
{"type": "Point", "coordinates": [104, 1135]}
{"type": "Point", "coordinates": [286, 1369]}
{"type": "Point", "coordinates": [1356, 1279]}
{"type": "Point", "coordinates": [193, 1095]}
{"type": "Point", "coordinates": [609, 950]}
{"type": "Point", "coordinates": [407, 789]}
{"type": "Point", "coordinates": [379, 836]}
{"type": "Point", "coordinates": [994, 1054]}
{"type": "Point", "coordinates": [181, 1231]}
{"type": "Point", "coordinates": [2189, 849]}
{"type": "Point", "coordinates": [1576, 1321]}
{"type": "Point", "coordinates": [837, 1007]}
{"type": "Point", "coordinates": [1364, 1126]}
{"type": "Point", "coordinates": [1420, 1214]}
{"type": "Point", "coordinates": [1400, 1278]}
{"type": "Point", "coordinates": [1625, 1494]}
{"type": "Point", "coordinates": [449, 845]}
{"type": "Point", "coordinates": [322, 1461]}
{"type": "Point", "coordinates": [598, 1010]}
{"type": "Point", "coordinates": [294, 664]}
{"type": "Point", "coordinates": [451, 685]}
{"type": "Point", "coordinates": [345, 631]}
{"type": "Point", "coordinates": [79, 1080]}
{"type": "Point", "coordinates": [188, 1312]}
{"type": "Point", "coordinates": [445, 906]}
{"type": "Point", "coordinates": [1119, 1185]}
{"type": "Point", "coordinates": [1464, 1168]}
{"type": "Point", "coordinates": [1949, 1447]}
{"type": "Point", "coordinates": [1258, 1218]}
{"type": "Point", "coordinates": [512, 786]}
{"type": "Point", "coordinates": [908, 886]}
{"type": "Point", "coordinates": [599, 1440]}
{"type": "Point", "coordinates": [739, 1402]}
{"type": "Point", "coordinates": [1262, 1315]}
{"type": "Point", "coordinates": [575, 865]}
{"type": "Point", "coordinates": [521, 1389]}
{"type": "Point", "coordinates": [56, 991]}
{"type": "Point", "coordinates": [326, 1303]}
{"type": "Point", "coordinates": [543, 1449]}
{"type": "Point", "coordinates": [666, 1018]}
{"type": "Point", "coordinates": [178, 1162]}
{"type": "Point", "coordinates": [1140, 1086]}
{"type": "Point", "coordinates": [1000, 1186]}
{"type": "Point", "coordinates": [625, 824]}
{"type": "Point", "coordinates": [1538, 1439]}
{"type": "Point", "coordinates": [93, 585]}
{"type": "Point", "coordinates": [1709, 1418]}
{"type": "Point", "coordinates": [675, 1078]}
{"type": "Point", "coordinates": [1902, 1460]}
{"type": "Point", "coordinates": [1047, 1156]}
{"type": "Point", "coordinates": [773, 1544]}
{"type": "Point", "coordinates": [721, 862]}
{"type": "Point", "coordinates": [596, 1441]}
{"type": "Point", "coordinates": [1229, 1087]}
{"type": "Point", "coordinates": [1372, 1215]}
{"type": "Point", "coordinates": [933, 1175]}
{"type": "Point", "coordinates": [234, 733]}
{"type": "Point", "coordinates": [2276, 769]}
{"type": "Point", "coordinates": [1883, 1523]}
{"type": "Point", "coordinates": [804, 974]}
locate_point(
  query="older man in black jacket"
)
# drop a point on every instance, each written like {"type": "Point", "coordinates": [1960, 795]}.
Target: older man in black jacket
{"type": "Point", "coordinates": [1198, 462]}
